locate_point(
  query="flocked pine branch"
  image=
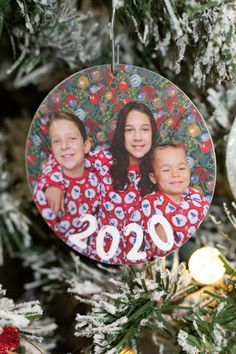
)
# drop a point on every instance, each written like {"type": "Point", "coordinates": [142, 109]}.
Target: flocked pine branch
{"type": "Point", "coordinates": [26, 318]}
{"type": "Point", "coordinates": [56, 273]}
{"type": "Point", "coordinates": [222, 235]}
{"type": "Point", "coordinates": [44, 33]}
{"type": "Point", "coordinates": [203, 33]}
{"type": "Point", "coordinates": [223, 101]}
{"type": "Point", "coordinates": [14, 225]}
{"type": "Point", "coordinates": [143, 300]}
{"type": "Point", "coordinates": [165, 303]}
{"type": "Point", "coordinates": [230, 215]}
{"type": "Point", "coordinates": [211, 327]}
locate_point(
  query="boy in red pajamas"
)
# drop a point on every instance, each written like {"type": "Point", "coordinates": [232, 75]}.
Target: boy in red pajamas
{"type": "Point", "coordinates": [80, 186]}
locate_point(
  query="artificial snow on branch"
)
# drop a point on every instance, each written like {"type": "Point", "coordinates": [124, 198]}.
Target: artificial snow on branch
{"type": "Point", "coordinates": [204, 35]}
{"type": "Point", "coordinates": [23, 316]}
{"type": "Point", "coordinates": [141, 300]}
{"type": "Point", "coordinates": [48, 32]}
{"type": "Point", "coordinates": [56, 273]}
{"type": "Point", "coordinates": [14, 225]}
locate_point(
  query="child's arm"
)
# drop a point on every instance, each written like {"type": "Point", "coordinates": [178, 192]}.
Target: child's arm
{"type": "Point", "coordinates": [197, 201]}
{"type": "Point", "coordinates": [99, 161]}
{"type": "Point", "coordinates": [163, 237]}
{"type": "Point", "coordinates": [43, 207]}
{"type": "Point", "coordinates": [161, 233]}
{"type": "Point", "coordinates": [52, 183]}
{"type": "Point", "coordinates": [55, 198]}
{"type": "Point", "coordinates": [59, 223]}
{"type": "Point", "coordinates": [186, 216]}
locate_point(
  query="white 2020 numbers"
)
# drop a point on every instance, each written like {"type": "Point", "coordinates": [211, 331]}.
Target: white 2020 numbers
{"type": "Point", "coordinates": [135, 253]}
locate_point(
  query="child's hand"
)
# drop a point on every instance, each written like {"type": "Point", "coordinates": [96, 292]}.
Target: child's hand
{"type": "Point", "coordinates": [163, 237]}
{"type": "Point", "coordinates": [161, 233]}
{"type": "Point", "coordinates": [55, 198]}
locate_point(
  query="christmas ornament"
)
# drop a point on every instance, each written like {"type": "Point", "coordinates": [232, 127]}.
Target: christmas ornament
{"type": "Point", "coordinates": [99, 221]}
{"type": "Point", "coordinates": [9, 339]}
{"type": "Point", "coordinates": [230, 159]}
{"type": "Point", "coordinates": [205, 265]}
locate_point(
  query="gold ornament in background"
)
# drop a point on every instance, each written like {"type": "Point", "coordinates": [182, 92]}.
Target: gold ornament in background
{"type": "Point", "coordinates": [194, 130]}
{"type": "Point", "coordinates": [83, 82]}
{"type": "Point", "coordinates": [108, 95]}
{"type": "Point", "coordinates": [127, 350]}
{"type": "Point", "coordinates": [170, 121]}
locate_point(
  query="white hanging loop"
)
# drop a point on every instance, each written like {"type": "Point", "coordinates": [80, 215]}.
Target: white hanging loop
{"type": "Point", "coordinates": [115, 47]}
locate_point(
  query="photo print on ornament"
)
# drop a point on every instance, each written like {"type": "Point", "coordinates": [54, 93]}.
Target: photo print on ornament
{"type": "Point", "coordinates": [121, 167]}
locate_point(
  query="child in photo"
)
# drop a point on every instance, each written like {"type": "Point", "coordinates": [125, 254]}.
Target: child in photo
{"type": "Point", "coordinates": [183, 206]}
{"type": "Point", "coordinates": [123, 171]}
{"type": "Point", "coordinates": [69, 144]}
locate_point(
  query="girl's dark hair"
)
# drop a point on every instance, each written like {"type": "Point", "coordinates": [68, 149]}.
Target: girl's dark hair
{"type": "Point", "coordinates": [119, 168]}
{"type": "Point", "coordinates": [62, 115]}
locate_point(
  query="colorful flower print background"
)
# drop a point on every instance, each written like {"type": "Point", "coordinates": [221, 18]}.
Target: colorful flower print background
{"type": "Point", "coordinates": [96, 96]}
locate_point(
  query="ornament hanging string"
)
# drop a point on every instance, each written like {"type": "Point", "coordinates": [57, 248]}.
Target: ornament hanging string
{"type": "Point", "coordinates": [115, 47]}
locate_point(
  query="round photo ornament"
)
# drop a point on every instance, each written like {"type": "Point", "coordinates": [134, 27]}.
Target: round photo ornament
{"type": "Point", "coordinates": [121, 167]}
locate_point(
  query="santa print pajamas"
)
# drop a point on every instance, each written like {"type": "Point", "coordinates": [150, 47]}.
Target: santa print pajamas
{"type": "Point", "coordinates": [184, 217]}
{"type": "Point", "coordinates": [114, 207]}
{"type": "Point", "coordinates": [81, 196]}
{"type": "Point", "coordinates": [118, 209]}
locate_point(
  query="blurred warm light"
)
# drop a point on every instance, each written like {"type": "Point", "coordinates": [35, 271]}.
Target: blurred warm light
{"type": "Point", "coordinates": [127, 350]}
{"type": "Point", "coordinates": [205, 265]}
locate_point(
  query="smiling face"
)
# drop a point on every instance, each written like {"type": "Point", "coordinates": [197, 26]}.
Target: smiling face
{"type": "Point", "coordinates": [138, 136]}
{"type": "Point", "coordinates": [68, 147]}
{"type": "Point", "coordinates": [170, 171]}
